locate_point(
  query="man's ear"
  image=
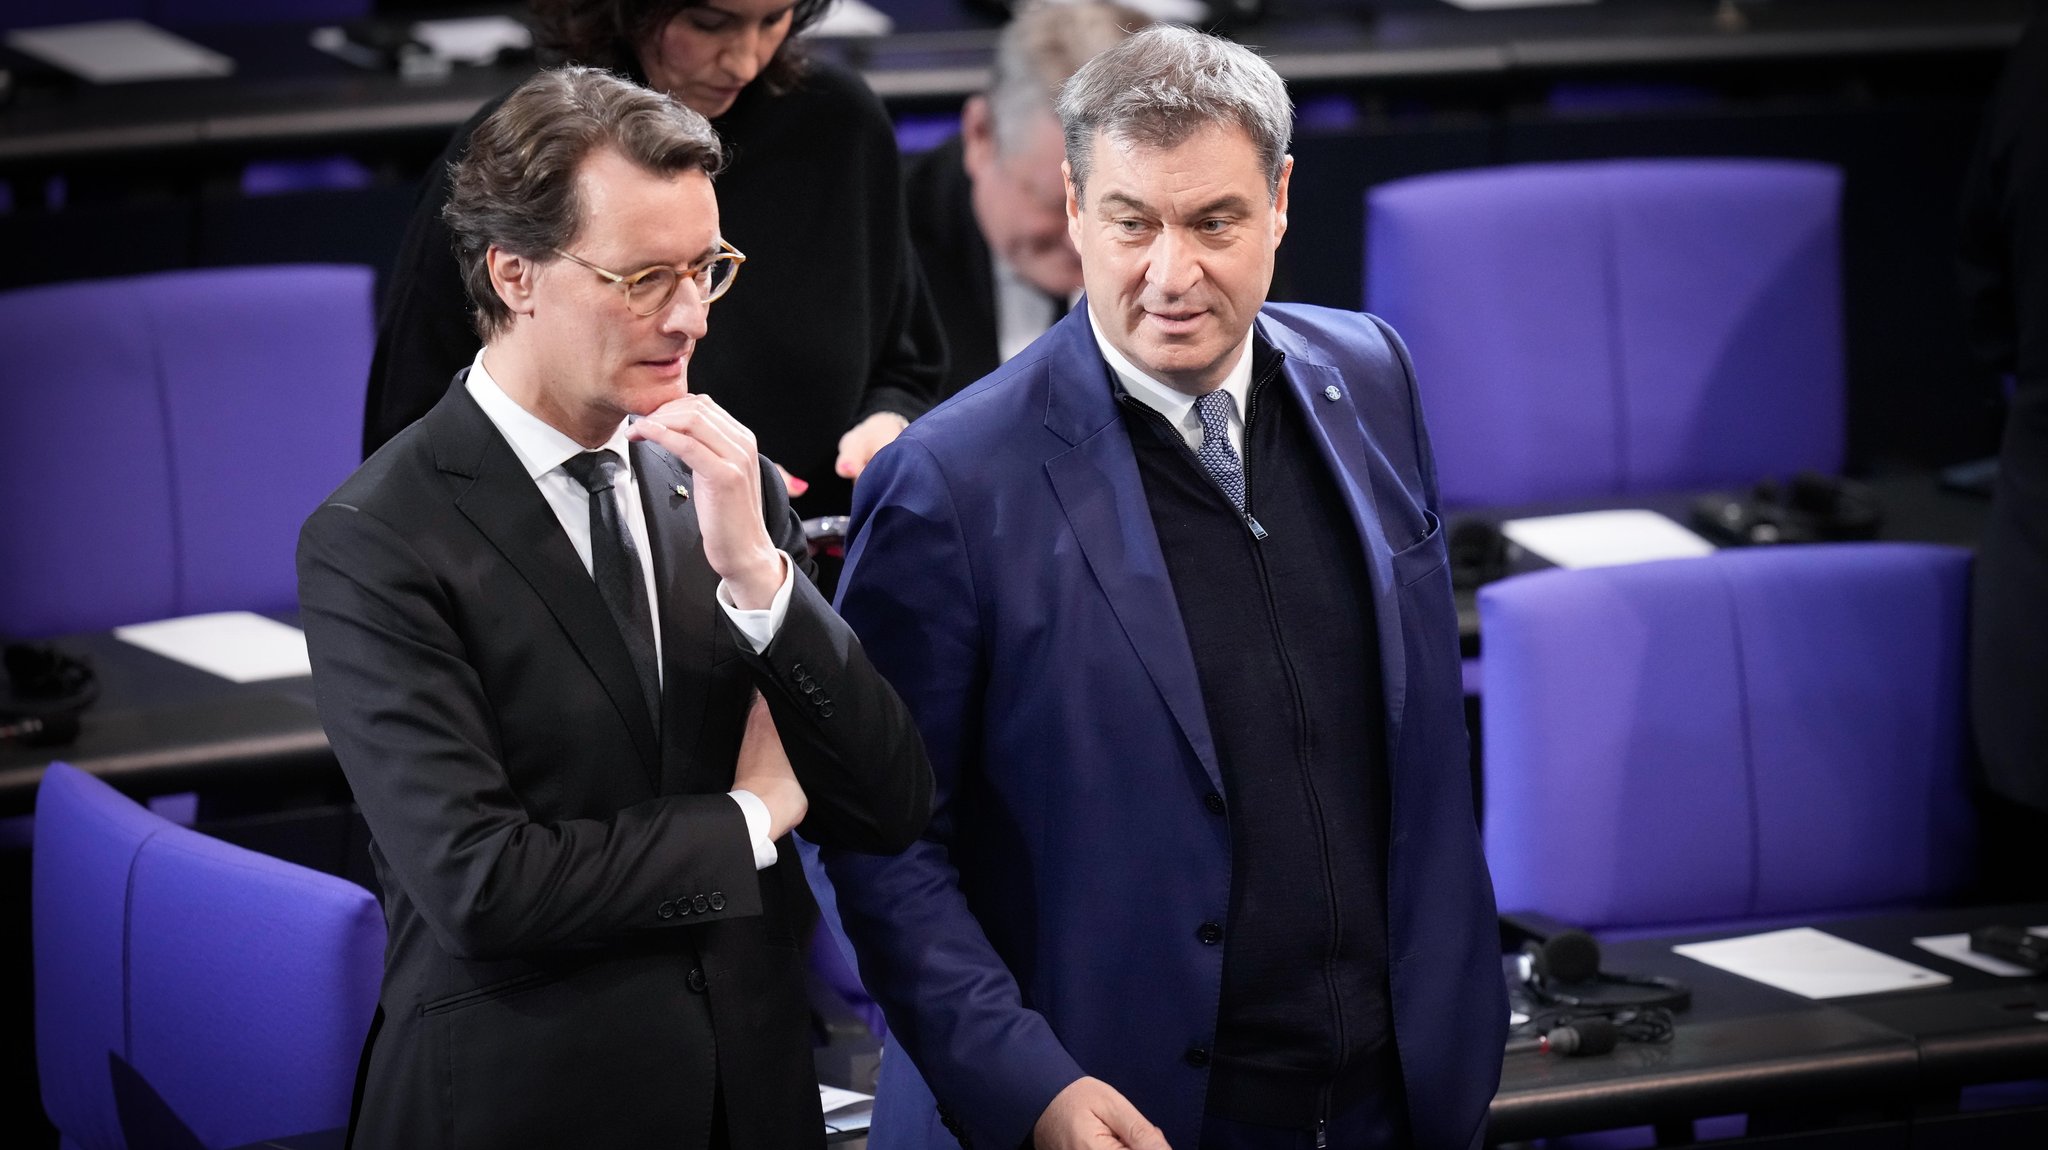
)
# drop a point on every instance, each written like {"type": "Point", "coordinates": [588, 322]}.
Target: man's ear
{"type": "Point", "coordinates": [977, 138]}
{"type": "Point", "coordinates": [1280, 199]}
{"type": "Point", "coordinates": [512, 278]}
{"type": "Point", "coordinates": [1073, 204]}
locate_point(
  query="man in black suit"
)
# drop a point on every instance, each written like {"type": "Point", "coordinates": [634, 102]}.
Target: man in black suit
{"type": "Point", "coordinates": [988, 207]}
{"type": "Point", "coordinates": [573, 669]}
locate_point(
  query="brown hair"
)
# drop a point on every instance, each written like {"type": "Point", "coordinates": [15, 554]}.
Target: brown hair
{"type": "Point", "coordinates": [608, 34]}
{"type": "Point", "coordinates": [515, 188]}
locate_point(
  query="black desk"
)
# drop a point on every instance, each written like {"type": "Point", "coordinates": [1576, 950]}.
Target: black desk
{"type": "Point", "coordinates": [1885, 1062]}
{"type": "Point", "coordinates": [162, 727]}
{"type": "Point", "coordinates": [288, 96]}
{"type": "Point", "coordinates": [1914, 508]}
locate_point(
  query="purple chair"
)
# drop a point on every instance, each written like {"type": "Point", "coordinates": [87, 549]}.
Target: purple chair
{"type": "Point", "coordinates": [189, 992]}
{"type": "Point", "coordinates": [1762, 734]}
{"type": "Point", "coordinates": [1592, 329]}
{"type": "Point", "coordinates": [162, 438]}
{"type": "Point", "coordinates": [192, 13]}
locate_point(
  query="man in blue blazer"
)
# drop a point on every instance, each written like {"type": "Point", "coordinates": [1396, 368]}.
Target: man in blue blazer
{"type": "Point", "coordinates": [1168, 598]}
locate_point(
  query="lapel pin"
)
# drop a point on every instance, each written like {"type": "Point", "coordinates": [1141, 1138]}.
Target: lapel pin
{"type": "Point", "coordinates": [682, 491]}
{"type": "Point", "coordinates": [1332, 394]}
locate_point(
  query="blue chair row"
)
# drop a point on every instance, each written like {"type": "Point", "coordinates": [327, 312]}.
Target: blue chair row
{"type": "Point", "coordinates": [1608, 328]}
{"type": "Point", "coordinates": [162, 437]}
{"type": "Point", "coordinates": [189, 992]}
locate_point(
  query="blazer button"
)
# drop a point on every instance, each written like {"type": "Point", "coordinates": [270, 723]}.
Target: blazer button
{"type": "Point", "coordinates": [717, 900]}
{"type": "Point", "coordinates": [1214, 802]}
{"type": "Point", "coordinates": [695, 979]}
{"type": "Point", "coordinates": [702, 904]}
{"type": "Point", "coordinates": [668, 910]}
{"type": "Point", "coordinates": [825, 712]}
{"type": "Point", "coordinates": [1197, 1056]}
{"type": "Point", "coordinates": [1209, 933]}
{"type": "Point", "coordinates": [683, 905]}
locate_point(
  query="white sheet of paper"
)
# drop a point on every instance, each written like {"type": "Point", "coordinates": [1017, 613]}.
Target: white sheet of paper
{"type": "Point", "coordinates": [119, 51]}
{"type": "Point", "coordinates": [1812, 963]}
{"type": "Point", "coordinates": [852, 18]}
{"type": "Point", "coordinates": [1605, 538]}
{"type": "Point", "coordinates": [235, 645]}
{"type": "Point", "coordinates": [1956, 947]}
{"type": "Point", "coordinates": [845, 1109]}
{"type": "Point", "coordinates": [472, 39]}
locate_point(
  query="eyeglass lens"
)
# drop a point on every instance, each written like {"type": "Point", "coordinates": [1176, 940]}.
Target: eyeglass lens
{"type": "Point", "coordinates": [652, 292]}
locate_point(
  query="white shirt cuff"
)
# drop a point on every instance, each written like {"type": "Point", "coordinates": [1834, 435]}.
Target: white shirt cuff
{"type": "Point", "coordinates": [756, 812]}
{"type": "Point", "coordinates": [760, 626]}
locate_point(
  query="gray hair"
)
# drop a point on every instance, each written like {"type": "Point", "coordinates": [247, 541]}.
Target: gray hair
{"type": "Point", "coordinates": [1039, 48]}
{"type": "Point", "coordinates": [515, 188]}
{"type": "Point", "coordinates": [1163, 85]}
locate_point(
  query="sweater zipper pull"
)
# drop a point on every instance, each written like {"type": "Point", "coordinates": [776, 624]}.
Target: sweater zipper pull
{"type": "Point", "coordinates": [1258, 532]}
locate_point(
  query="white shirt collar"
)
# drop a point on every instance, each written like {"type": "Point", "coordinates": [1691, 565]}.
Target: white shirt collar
{"type": "Point", "coordinates": [1178, 406]}
{"type": "Point", "coordinates": [540, 446]}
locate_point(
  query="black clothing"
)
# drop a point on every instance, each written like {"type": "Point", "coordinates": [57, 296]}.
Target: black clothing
{"type": "Point", "coordinates": [956, 261]}
{"type": "Point", "coordinates": [2006, 286]}
{"type": "Point", "coordinates": [582, 952]}
{"type": "Point", "coordinates": [1288, 659]}
{"type": "Point", "coordinates": [829, 323]}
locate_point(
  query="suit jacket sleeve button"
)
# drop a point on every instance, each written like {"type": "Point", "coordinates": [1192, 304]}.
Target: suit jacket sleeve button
{"type": "Point", "coordinates": [717, 900]}
{"type": "Point", "coordinates": [695, 979]}
{"type": "Point", "coordinates": [683, 905]}
{"type": "Point", "coordinates": [702, 904]}
{"type": "Point", "coordinates": [667, 910]}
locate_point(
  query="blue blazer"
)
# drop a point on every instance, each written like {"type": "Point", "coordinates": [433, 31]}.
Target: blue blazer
{"type": "Point", "coordinates": [1004, 574]}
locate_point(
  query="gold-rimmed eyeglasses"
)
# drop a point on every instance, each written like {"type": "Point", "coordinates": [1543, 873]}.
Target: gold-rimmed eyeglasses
{"type": "Point", "coordinates": [648, 290]}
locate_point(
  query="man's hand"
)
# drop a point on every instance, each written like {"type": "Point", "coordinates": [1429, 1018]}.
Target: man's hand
{"type": "Point", "coordinates": [764, 771]}
{"type": "Point", "coordinates": [721, 454]}
{"type": "Point", "coordinates": [1091, 1115]}
{"type": "Point", "coordinates": [868, 436]}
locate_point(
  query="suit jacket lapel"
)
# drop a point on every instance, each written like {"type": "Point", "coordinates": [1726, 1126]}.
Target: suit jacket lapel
{"type": "Point", "coordinates": [1356, 461]}
{"type": "Point", "coordinates": [503, 503]}
{"type": "Point", "coordinates": [1099, 489]}
{"type": "Point", "coordinates": [686, 587]}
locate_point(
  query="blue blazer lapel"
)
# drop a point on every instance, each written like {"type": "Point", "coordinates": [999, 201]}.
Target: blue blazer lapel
{"type": "Point", "coordinates": [1354, 459]}
{"type": "Point", "coordinates": [1097, 484]}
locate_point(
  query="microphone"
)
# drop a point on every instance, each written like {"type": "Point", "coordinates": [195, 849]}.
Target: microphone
{"type": "Point", "coordinates": [1578, 1039]}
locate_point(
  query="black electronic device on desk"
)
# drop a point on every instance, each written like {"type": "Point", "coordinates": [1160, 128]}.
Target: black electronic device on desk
{"type": "Point", "coordinates": [43, 693]}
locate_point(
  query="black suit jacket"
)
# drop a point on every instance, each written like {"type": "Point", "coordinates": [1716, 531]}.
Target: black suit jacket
{"type": "Point", "coordinates": [581, 949]}
{"type": "Point", "coordinates": [956, 262]}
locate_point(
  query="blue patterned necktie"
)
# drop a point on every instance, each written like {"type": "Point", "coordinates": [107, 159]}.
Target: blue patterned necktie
{"type": "Point", "coordinates": [615, 565]}
{"type": "Point", "coordinates": [1218, 458]}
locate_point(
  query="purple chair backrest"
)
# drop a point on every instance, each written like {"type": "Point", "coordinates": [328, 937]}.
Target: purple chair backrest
{"type": "Point", "coordinates": [182, 979]}
{"type": "Point", "coordinates": [1600, 328]}
{"type": "Point", "coordinates": [162, 438]}
{"type": "Point", "coordinates": [1757, 733]}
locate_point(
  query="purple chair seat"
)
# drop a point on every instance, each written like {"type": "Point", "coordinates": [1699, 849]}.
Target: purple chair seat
{"type": "Point", "coordinates": [162, 438]}
{"type": "Point", "coordinates": [1593, 329]}
{"type": "Point", "coordinates": [189, 992]}
{"type": "Point", "coordinates": [1755, 734]}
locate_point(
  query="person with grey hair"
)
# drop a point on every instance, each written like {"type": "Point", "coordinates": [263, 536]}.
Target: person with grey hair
{"type": "Point", "coordinates": [987, 208]}
{"type": "Point", "coordinates": [567, 651]}
{"type": "Point", "coordinates": [1169, 596]}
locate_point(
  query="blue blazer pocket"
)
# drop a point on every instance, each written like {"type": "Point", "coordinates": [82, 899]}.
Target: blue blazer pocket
{"type": "Point", "coordinates": [1423, 557]}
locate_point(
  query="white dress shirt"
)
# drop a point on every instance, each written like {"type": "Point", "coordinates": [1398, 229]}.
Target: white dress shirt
{"type": "Point", "coordinates": [1178, 406]}
{"type": "Point", "coordinates": [1023, 310]}
{"type": "Point", "coordinates": [542, 450]}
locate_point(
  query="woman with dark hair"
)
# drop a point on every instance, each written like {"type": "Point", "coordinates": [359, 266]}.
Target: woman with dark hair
{"type": "Point", "coordinates": [834, 346]}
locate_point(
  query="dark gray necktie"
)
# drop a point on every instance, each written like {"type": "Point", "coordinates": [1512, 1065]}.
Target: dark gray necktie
{"type": "Point", "coordinates": [1216, 454]}
{"type": "Point", "coordinates": [615, 564]}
